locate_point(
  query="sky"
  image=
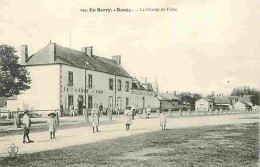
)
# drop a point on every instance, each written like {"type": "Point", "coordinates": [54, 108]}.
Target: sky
{"type": "Point", "coordinates": [204, 46]}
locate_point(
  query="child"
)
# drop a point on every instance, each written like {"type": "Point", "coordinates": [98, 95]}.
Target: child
{"type": "Point", "coordinates": [163, 120]}
{"type": "Point", "coordinates": [52, 125]}
{"type": "Point", "coordinates": [128, 113]}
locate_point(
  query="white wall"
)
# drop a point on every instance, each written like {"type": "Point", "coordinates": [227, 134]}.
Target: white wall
{"type": "Point", "coordinates": [44, 91]}
{"type": "Point", "coordinates": [202, 104]}
{"type": "Point", "coordinates": [100, 87]}
{"type": "Point", "coordinates": [150, 99]}
{"type": "Point", "coordinates": [239, 106]}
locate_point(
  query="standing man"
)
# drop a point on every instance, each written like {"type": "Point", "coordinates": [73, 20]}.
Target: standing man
{"type": "Point", "coordinates": [148, 110]}
{"type": "Point", "coordinates": [101, 109]}
{"type": "Point", "coordinates": [133, 112]}
{"type": "Point", "coordinates": [110, 111]}
{"type": "Point", "coordinates": [72, 112]}
{"type": "Point", "coordinates": [117, 110]}
{"type": "Point", "coordinates": [95, 117]}
{"type": "Point", "coordinates": [26, 127]}
{"type": "Point", "coordinates": [61, 110]}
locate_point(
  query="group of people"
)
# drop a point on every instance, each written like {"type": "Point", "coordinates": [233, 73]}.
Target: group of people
{"type": "Point", "coordinates": [52, 123]}
{"type": "Point", "coordinates": [95, 114]}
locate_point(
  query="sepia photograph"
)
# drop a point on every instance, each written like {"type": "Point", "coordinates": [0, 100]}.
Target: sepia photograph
{"type": "Point", "coordinates": [128, 83]}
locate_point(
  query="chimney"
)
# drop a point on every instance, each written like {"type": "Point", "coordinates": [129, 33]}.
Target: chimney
{"type": "Point", "coordinates": [52, 52]}
{"type": "Point", "coordinates": [117, 59]}
{"type": "Point", "coordinates": [24, 54]}
{"type": "Point", "coordinates": [88, 50]}
{"type": "Point", "coordinates": [145, 80]}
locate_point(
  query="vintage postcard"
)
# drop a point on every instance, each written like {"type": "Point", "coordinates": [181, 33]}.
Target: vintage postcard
{"type": "Point", "coordinates": [129, 83]}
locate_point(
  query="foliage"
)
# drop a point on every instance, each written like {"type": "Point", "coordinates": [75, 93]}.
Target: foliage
{"type": "Point", "coordinates": [189, 98]}
{"type": "Point", "coordinates": [246, 90]}
{"type": "Point", "coordinates": [14, 78]}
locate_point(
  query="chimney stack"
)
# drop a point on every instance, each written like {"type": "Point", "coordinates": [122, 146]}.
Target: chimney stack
{"type": "Point", "coordinates": [52, 52]}
{"type": "Point", "coordinates": [24, 54]}
{"type": "Point", "coordinates": [88, 50]}
{"type": "Point", "coordinates": [117, 59]}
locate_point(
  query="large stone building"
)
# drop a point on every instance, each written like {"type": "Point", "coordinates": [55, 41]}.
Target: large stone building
{"type": "Point", "coordinates": [62, 76]}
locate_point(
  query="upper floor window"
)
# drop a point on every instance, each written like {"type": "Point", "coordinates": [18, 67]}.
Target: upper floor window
{"type": "Point", "coordinates": [111, 84]}
{"type": "Point", "coordinates": [70, 78]}
{"type": "Point", "coordinates": [127, 86]}
{"type": "Point", "coordinates": [119, 85]}
{"type": "Point", "coordinates": [90, 80]}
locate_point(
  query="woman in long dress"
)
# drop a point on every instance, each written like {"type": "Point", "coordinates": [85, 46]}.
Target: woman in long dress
{"type": "Point", "coordinates": [95, 117]}
{"type": "Point", "coordinates": [163, 120]}
{"type": "Point", "coordinates": [128, 113]}
{"type": "Point", "coordinates": [144, 113]}
{"type": "Point", "coordinates": [52, 122]}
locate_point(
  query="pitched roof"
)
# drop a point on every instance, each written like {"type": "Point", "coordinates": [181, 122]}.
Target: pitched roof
{"type": "Point", "coordinates": [222, 100]}
{"type": "Point", "coordinates": [135, 87]}
{"type": "Point", "coordinates": [207, 99]}
{"type": "Point", "coordinates": [245, 98]}
{"type": "Point", "coordinates": [171, 96]}
{"type": "Point", "coordinates": [246, 104]}
{"type": "Point", "coordinates": [79, 59]}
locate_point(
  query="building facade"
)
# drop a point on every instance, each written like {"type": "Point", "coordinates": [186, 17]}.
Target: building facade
{"type": "Point", "coordinates": [143, 95]}
{"type": "Point", "coordinates": [62, 76]}
{"type": "Point", "coordinates": [204, 104]}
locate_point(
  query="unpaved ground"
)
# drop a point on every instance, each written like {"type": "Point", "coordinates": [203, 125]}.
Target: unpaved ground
{"type": "Point", "coordinates": [84, 135]}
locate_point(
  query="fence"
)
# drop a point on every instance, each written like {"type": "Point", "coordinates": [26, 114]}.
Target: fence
{"type": "Point", "coordinates": [16, 116]}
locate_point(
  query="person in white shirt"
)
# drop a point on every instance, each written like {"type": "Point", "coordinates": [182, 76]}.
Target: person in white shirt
{"type": "Point", "coordinates": [72, 112]}
{"type": "Point", "coordinates": [148, 111]}
{"type": "Point", "coordinates": [128, 113]}
{"type": "Point", "coordinates": [26, 127]}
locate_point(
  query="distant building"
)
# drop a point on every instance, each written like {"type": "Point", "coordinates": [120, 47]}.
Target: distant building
{"type": "Point", "coordinates": [143, 95]}
{"type": "Point", "coordinates": [204, 104]}
{"type": "Point", "coordinates": [245, 98]}
{"type": "Point", "coordinates": [240, 105]}
{"type": "Point", "coordinates": [222, 102]}
{"type": "Point", "coordinates": [165, 103]}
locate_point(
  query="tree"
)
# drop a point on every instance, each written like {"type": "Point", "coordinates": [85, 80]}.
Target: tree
{"type": "Point", "coordinates": [14, 78]}
{"type": "Point", "coordinates": [246, 90]}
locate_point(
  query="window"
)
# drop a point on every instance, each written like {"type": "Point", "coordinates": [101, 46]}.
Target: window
{"type": "Point", "coordinates": [90, 102]}
{"type": "Point", "coordinates": [89, 80]}
{"type": "Point", "coordinates": [119, 85]}
{"type": "Point", "coordinates": [70, 78]}
{"type": "Point", "coordinates": [111, 84]}
{"type": "Point", "coordinates": [127, 86]}
{"type": "Point", "coordinates": [70, 100]}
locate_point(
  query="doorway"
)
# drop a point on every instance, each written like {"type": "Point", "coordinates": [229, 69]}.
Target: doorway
{"type": "Point", "coordinates": [143, 101]}
{"type": "Point", "coordinates": [80, 104]}
{"type": "Point", "coordinates": [90, 102]}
